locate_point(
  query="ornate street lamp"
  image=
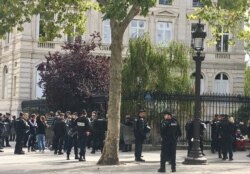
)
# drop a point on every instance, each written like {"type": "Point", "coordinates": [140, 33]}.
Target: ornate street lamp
{"type": "Point", "coordinates": [195, 156]}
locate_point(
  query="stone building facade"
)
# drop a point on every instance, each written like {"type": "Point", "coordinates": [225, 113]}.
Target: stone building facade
{"type": "Point", "coordinates": [21, 52]}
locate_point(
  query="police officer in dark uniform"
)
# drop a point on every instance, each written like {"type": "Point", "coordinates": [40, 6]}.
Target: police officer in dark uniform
{"type": "Point", "coordinates": [72, 137]}
{"type": "Point", "coordinates": [7, 123]}
{"type": "Point", "coordinates": [60, 132]}
{"type": "Point", "coordinates": [20, 127]}
{"type": "Point", "coordinates": [141, 128]}
{"type": "Point", "coordinates": [214, 133]}
{"type": "Point", "coordinates": [99, 126]}
{"type": "Point", "coordinates": [170, 131]}
{"type": "Point", "coordinates": [83, 129]}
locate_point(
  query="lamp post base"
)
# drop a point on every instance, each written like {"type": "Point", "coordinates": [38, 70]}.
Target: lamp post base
{"type": "Point", "coordinates": [195, 160]}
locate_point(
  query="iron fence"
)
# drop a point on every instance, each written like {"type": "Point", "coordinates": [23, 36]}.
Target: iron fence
{"type": "Point", "coordinates": [182, 107]}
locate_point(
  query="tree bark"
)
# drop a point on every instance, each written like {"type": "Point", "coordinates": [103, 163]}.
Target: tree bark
{"type": "Point", "coordinates": [111, 147]}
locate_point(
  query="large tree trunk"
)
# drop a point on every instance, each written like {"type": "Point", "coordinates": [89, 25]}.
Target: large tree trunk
{"type": "Point", "coordinates": [111, 147]}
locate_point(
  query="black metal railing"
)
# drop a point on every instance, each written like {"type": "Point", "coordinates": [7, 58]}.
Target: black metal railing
{"type": "Point", "coordinates": [182, 107]}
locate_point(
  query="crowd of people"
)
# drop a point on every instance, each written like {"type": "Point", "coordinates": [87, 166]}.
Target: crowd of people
{"type": "Point", "coordinates": [227, 135]}
{"type": "Point", "coordinates": [60, 132]}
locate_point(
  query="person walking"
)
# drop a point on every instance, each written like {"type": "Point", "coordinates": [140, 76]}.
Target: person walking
{"type": "Point", "coordinates": [170, 131]}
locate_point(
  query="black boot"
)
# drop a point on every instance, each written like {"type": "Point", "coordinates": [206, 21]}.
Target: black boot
{"type": "Point", "coordinates": [76, 156]}
{"type": "Point", "coordinates": [80, 159]}
{"type": "Point", "coordinates": [83, 158]}
{"type": "Point", "coordinates": [162, 168]}
{"type": "Point", "coordinates": [173, 169]}
{"type": "Point", "coordinates": [67, 156]}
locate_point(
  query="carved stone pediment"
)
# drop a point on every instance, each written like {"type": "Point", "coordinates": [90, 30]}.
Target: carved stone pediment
{"type": "Point", "coordinates": [166, 12]}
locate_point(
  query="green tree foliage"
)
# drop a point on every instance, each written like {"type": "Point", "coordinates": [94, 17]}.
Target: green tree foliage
{"type": "Point", "coordinates": [243, 113]}
{"type": "Point", "coordinates": [230, 15]}
{"type": "Point", "coordinates": [247, 82]}
{"type": "Point", "coordinates": [57, 16]}
{"type": "Point", "coordinates": [164, 69]}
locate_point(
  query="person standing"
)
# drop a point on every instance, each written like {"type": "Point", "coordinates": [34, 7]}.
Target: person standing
{"type": "Point", "coordinates": [99, 127]}
{"type": "Point", "coordinates": [20, 128]}
{"type": "Point", "coordinates": [1, 131]}
{"type": "Point", "coordinates": [72, 137]}
{"type": "Point", "coordinates": [170, 131]}
{"type": "Point", "coordinates": [49, 131]}
{"type": "Point", "coordinates": [83, 130]}
{"type": "Point", "coordinates": [127, 134]}
{"type": "Point", "coordinates": [6, 133]}
{"type": "Point", "coordinates": [141, 128]}
{"type": "Point", "coordinates": [227, 130]}
{"type": "Point", "coordinates": [90, 137]}
{"type": "Point", "coordinates": [214, 134]}
{"type": "Point", "coordinates": [12, 130]}
{"type": "Point", "coordinates": [60, 131]}
{"type": "Point", "coordinates": [32, 132]}
{"type": "Point", "coordinates": [40, 132]}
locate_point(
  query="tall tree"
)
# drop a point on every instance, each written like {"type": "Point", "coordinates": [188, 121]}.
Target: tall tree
{"type": "Point", "coordinates": [73, 74]}
{"type": "Point", "coordinates": [120, 14]}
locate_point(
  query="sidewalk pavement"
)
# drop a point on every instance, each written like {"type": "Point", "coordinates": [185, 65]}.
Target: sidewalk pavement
{"type": "Point", "coordinates": [48, 163]}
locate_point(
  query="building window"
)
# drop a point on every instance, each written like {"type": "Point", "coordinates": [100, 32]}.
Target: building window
{"type": "Point", "coordinates": [44, 20]}
{"type": "Point", "coordinates": [163, 32]}
{"type": "Point", "coordinates": [193, 27]}
{"type": "Point", "coordinates": [39, 90]}
{"type": "Point", "coordinates": [202, 83]}
{"type": "Point", "coordinates": [137, 28]}
{"type": "Point", "coordinates": [106, 34]}
{"type": "Point", "coordinates": [221, 84]}
{"type": "Point", "coordinates": [165, 2]}
{"type": "Point", "coordinates": [222, 42]}
{"type": "Point", "coordinates": [5, 83]}
{"type": "Point", "coordinates": [197, 3]}
{"type": "Point", "coordinates": [41, 26]}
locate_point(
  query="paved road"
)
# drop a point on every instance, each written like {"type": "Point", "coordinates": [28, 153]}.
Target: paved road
{"type": "Point", "coordinates": [48, 163]}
